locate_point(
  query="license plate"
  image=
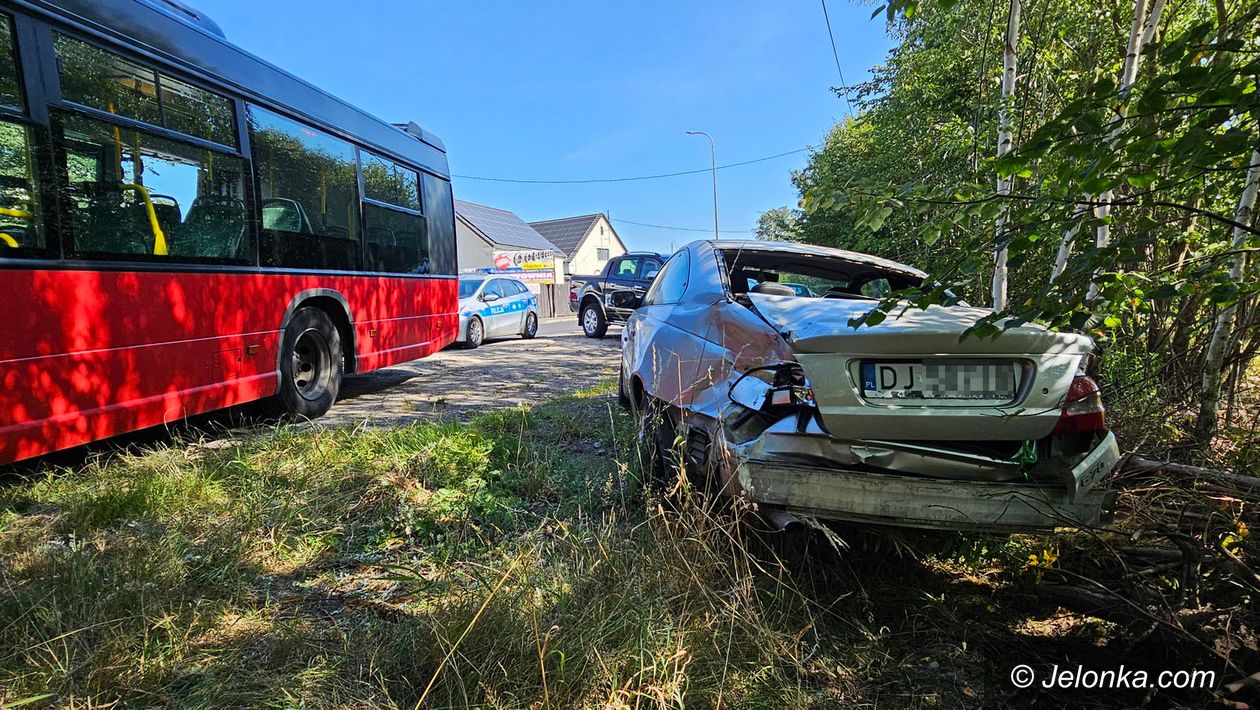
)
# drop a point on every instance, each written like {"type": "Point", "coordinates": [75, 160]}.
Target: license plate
{"type": "Point", "coordinates": [987, 381]}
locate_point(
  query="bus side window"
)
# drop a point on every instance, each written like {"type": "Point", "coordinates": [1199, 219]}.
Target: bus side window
{"type": "Point", "coordinates": [439, 213]}
{"type": "Point", "coordinates": [308, 182]}
{"type": "Point", "coordinates": [108, 82]}
{"type": "Point", "coordinates": [134, 194]}
{"type": "Point", "coordinates": [395, 231]}
{"type": "Point", "coordinates": [11, 93]}
{"type": "Point", "coordinates": [21, 232]}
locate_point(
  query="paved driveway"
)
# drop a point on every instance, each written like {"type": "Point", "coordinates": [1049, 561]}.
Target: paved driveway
{"type": "Point", "coordinates": [459, 383]}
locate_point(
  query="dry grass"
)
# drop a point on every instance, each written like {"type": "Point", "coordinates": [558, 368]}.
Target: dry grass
{"type": "Point", "coordinates": [512, 563]}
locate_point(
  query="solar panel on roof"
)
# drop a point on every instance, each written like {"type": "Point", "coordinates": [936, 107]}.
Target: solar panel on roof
{"type": "Point", "coordinates": [567, 234]}
{"type": "Point", "coordinates": [502, 227]}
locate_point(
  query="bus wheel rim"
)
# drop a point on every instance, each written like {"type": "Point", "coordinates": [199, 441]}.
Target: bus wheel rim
{"type": "Point", "coordinates": [312, 364]}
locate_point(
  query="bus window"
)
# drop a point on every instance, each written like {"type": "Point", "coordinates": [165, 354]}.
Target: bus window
{"type": "Point", "coordinates": [137, 194]}
{"type": "Point", "coordinates": [102, 80]}
{"type": "Point", "coordinates": [10, 84]}
{"type": "Point", "coordinates": [19, 209]}
{"type": "Point", "coordinates": [393, 227]}
{"type": "Point", "coordinates": [396, 240]}
{"type": "Point", "coordinates": [21, 233]}
{"type": "Point", "coordinates": [94, 77]}
{"type": "Point", "coordinates": [308, 184]}
{"type": "Point", "coordinates": [197, 112]}
{"type": "Point", "coordinates": [386, 181]}
{"type": "Point", "coordinates": [439, 212]}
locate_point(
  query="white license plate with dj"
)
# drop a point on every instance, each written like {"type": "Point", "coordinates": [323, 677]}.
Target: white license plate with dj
{"type": "Point", "coordinates": [954, 380]}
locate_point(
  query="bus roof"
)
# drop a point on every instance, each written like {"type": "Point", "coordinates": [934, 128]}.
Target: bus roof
{"type": "Point", "coordinates": [176, 32]}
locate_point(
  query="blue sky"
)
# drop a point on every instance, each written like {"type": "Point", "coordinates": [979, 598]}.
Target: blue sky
{"type": "Point", "coordinates": [567, 89]}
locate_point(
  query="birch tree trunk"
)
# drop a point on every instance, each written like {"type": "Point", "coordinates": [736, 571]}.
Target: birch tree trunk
{"type": "Point", "coordinates": [1210, 391]}
{"type": "Point", "coordinates": [1141, 32]}
{"type": "Point", "coordinates": [1006, 141]}
{"type": "Point", "coordinates": [1065, 247]}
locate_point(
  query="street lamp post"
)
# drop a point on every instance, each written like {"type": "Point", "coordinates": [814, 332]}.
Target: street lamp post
{"type": "Point", "coordinates": [713, 153]}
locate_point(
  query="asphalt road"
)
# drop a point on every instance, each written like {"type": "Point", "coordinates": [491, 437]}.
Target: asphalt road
{"type": "Point", "coordinates": [458, 383]}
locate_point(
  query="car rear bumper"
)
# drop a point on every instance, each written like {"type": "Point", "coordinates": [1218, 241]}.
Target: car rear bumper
{"type": "Point", "coordinates": [837, 493]}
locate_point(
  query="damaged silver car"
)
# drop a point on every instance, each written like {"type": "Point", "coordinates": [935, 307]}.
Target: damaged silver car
{"type": "Point", "coordinates": [763, 390]}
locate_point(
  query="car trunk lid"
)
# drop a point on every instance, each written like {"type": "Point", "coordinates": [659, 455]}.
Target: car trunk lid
{"type": "Point", "coordinates": [915, 377]}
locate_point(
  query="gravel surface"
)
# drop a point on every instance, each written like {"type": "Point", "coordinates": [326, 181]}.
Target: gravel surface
{"type": "Point", "coordinates": [458, 384]}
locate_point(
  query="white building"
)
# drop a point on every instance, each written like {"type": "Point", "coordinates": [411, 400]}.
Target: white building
{"type": "Point", "coordinates": [588, 241]}
{"type": "Point", "coordinates": [491, 239]}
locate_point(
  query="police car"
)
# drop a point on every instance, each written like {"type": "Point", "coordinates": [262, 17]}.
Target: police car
{"type": "Point", "coordinates": [495, 307]}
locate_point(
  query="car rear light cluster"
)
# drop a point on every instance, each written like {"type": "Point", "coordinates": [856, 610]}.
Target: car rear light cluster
{"type": "Point", "coordinates": [1084, 410]}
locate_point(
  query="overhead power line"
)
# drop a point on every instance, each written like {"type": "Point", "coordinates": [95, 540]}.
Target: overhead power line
{"type": "Point", "coordinates": [635, 178]}
{"type": "Point", "coordinates": [680, 229]}
{"type": "Point", "coordinates": [836, 54]}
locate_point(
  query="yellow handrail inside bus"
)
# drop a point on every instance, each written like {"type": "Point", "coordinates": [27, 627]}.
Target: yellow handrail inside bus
{"type": "Point", "coordinates": [117, 143]}
{"type": "Point", "coordinates": [159, 238]}
{"type": "Point", "coordinates": [7, 239]}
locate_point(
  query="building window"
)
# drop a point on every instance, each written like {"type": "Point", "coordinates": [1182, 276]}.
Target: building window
{"type": "Point", "coordinates": [96, 78]}
{"type": "Point", "coordinates": [308, 185]}
{"type": "Point", "coordinates": [601, 254]}
{"type": "Point", "coordinates": [134, 194]}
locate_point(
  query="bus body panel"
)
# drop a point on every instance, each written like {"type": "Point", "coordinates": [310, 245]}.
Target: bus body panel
{"type": "Point", "coordinates": [85, 355]}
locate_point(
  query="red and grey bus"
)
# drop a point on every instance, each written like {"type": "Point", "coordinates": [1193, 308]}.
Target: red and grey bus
{"type": "Point", "coordinates": [184, 227]}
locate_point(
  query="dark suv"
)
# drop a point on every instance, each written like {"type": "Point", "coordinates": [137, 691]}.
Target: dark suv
{"type": "Point", "coordinates": [611, 297]}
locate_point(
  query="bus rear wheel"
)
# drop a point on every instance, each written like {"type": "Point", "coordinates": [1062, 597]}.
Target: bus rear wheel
{"type": "Point", "coordinates": [311, 363]}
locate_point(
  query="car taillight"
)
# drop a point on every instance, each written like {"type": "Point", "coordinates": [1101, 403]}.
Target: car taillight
{"type": "Point", "coordinates": [572, 295]}
{"type": "Point", "coordinates": [1084, 410]}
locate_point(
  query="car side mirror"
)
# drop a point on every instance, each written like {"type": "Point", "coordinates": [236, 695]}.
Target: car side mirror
{"type": "Point", "coordinates": [489, 297]}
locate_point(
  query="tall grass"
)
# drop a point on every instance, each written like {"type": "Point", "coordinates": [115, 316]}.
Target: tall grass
{"type": "Point", "coordinates": [515, 562]}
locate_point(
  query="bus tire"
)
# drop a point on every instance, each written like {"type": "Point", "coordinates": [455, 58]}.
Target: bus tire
{"type": "Point", "coordinates": [311, 364]}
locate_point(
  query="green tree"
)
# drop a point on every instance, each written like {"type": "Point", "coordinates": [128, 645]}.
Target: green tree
{"type": "Point", "coordinates": [1149, 159]}
{"type": "Point", "coordinates": [781, 224]}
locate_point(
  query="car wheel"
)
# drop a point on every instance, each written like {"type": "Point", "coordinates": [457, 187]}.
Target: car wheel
{"type": "Point", "coordinates": [531, 326]}
{"type": "Point", "coordinates": [594, 324]}
{"type": "Point", "coordinates": [658, 455]}
{"type": "Point", "coordinates": [476, 334]}
{"type": "Point", "coordinates": [311, 363]}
